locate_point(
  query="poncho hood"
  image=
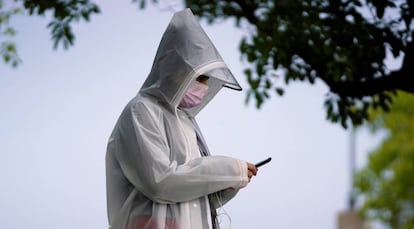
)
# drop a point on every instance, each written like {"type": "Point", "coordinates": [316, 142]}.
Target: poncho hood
{"type": "Point", "coordinates": [184, 53]}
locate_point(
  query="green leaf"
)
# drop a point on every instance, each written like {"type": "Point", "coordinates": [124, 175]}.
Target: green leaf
{"type": "Point", "coordinates": [142, 4]}
{"type": "Point", "coordinates": [280, 91]}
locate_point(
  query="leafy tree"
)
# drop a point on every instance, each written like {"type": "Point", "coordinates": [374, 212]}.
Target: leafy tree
{"type": "Point", "coordinates": [7, 48]}
{"type": "Point", "coordinates": [341, 42]}
{"type": "Point", "coordinates": [386, 183]}
{"type": "Point", "coordinates": [63, 13]}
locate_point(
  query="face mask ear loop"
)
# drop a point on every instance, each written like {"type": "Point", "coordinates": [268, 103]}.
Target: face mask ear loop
{"type": "Point", "coordinates": [221, 211]}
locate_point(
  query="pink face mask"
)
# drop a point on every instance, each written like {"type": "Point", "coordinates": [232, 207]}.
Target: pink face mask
{"type": "Point", "coordinates": [194, 95]}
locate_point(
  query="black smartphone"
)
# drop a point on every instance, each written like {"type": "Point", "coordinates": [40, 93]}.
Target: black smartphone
{"type": "Point", "coordinates": [263, 162]}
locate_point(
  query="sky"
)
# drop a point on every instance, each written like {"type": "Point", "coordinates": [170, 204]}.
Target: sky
{"type": "Point", "coordinates": [58, 108]}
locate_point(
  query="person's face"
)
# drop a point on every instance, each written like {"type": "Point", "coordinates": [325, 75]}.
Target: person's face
{"type": "Point", "coordinates": [195, 93]}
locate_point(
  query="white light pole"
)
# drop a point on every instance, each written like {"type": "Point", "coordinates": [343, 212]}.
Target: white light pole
{"type": "Point", "coordinates": [352, 161]}
{"type": "Point", "coordinates": [349, 219]}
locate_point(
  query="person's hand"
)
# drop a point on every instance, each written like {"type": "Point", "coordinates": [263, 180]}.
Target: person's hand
{"type": "Point", "coordinates": [252, 170]}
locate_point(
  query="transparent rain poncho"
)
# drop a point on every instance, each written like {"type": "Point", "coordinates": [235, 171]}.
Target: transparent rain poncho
{"type": "Point", "coordinates": [159, 171]}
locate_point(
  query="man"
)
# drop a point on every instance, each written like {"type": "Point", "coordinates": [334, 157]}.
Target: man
{"type": "Point", "coordinates": [159, 171]}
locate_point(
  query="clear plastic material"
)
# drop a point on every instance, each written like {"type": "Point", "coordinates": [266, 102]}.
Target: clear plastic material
{"type": "Point", "coordinates": [156, 176]}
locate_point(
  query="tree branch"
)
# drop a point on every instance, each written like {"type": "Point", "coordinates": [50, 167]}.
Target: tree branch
{"type": "Point", "coordinates": [395, 80]}
{"type": "Point", "coordinates": [248, 11]}
{"type": "Point", "coordinates": [401, 79]}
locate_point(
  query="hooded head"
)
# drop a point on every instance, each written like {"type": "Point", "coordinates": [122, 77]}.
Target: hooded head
{"type": "Point", "coordinates": [184, 53]}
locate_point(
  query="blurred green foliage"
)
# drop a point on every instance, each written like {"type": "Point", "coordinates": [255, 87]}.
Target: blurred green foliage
{"type": "Point", "coordinates": [63, 14]}
{"type": "Point", "coordinates": [7, 48]}
{"type": "Point", "coordinates": [386, 184]}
